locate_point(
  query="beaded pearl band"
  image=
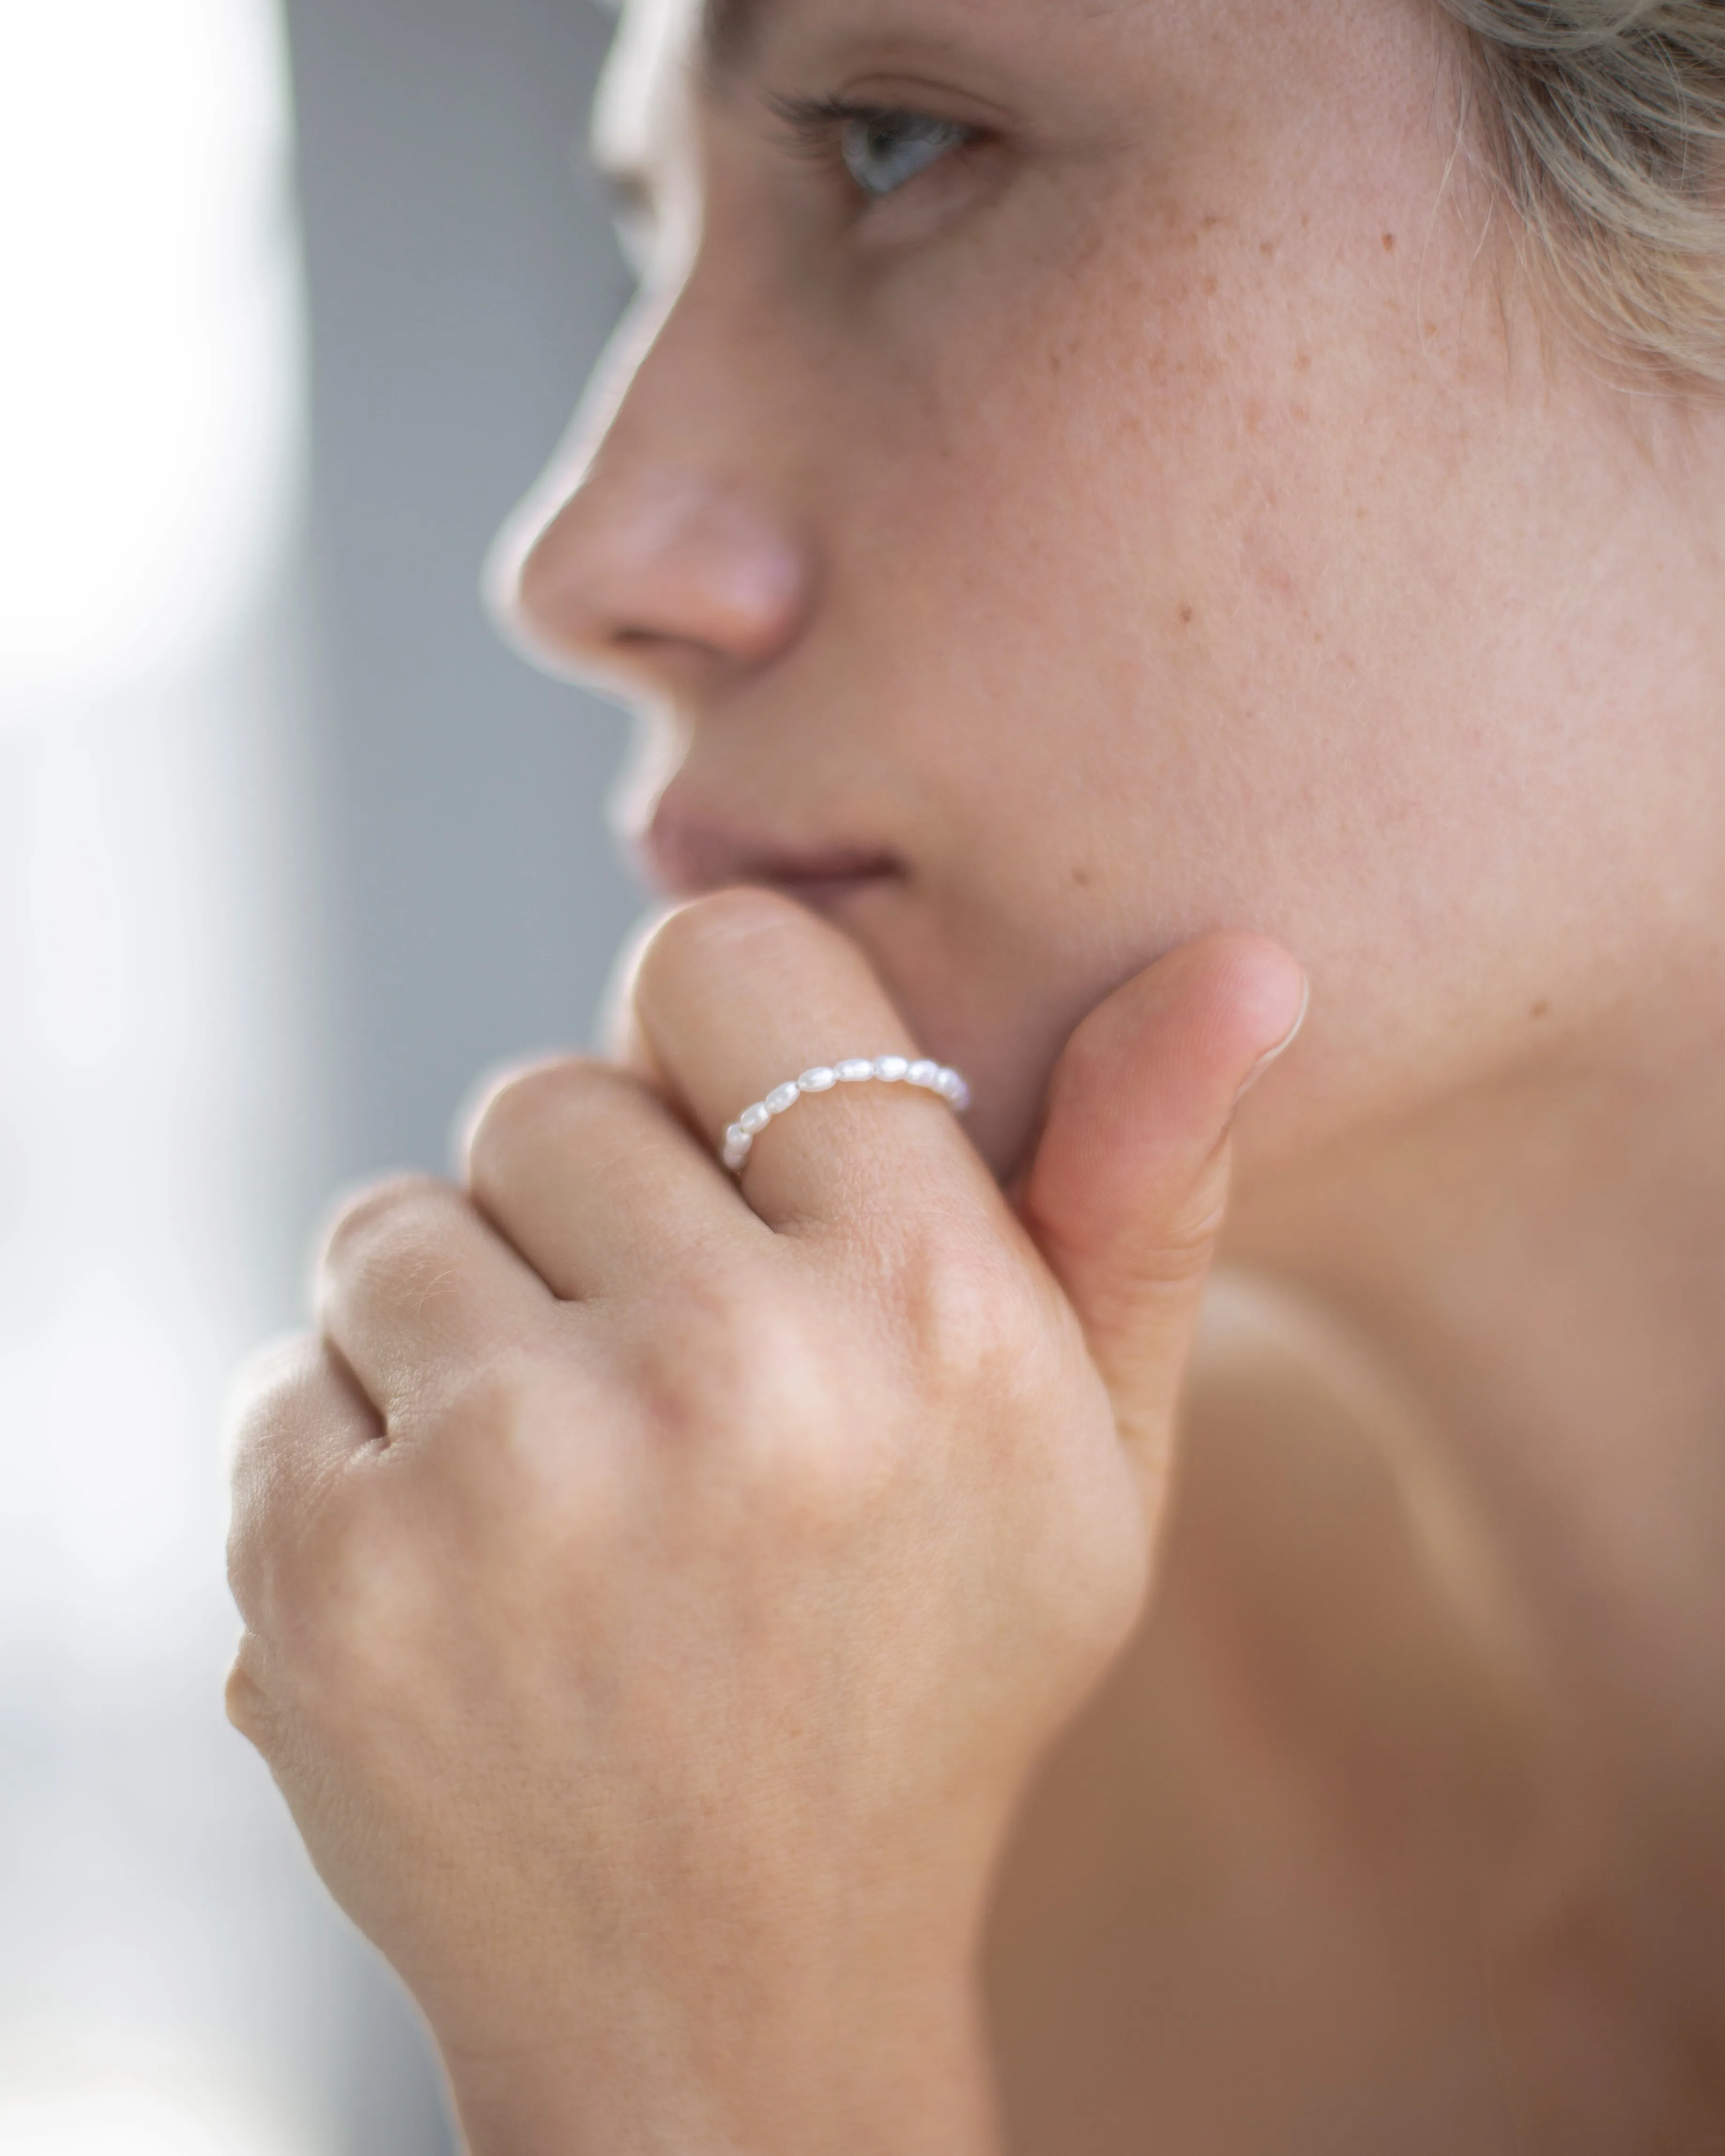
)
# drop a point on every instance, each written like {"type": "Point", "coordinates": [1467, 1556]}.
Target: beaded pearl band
{"type": "Point", "coordinates": [855, 1070]}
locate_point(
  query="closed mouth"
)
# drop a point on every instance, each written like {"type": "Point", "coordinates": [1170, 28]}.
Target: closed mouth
{"type": "Point", "coordinates": [824, 884]}
{"type": "Point", "coordinates": [683, 859]}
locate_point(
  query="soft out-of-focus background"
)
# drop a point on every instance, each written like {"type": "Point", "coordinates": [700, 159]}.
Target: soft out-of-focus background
{"type": "Point", "coordinates": [295, 297]}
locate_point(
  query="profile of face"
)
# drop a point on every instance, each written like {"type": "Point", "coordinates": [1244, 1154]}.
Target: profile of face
{"type": "Point", "coordinates": [1082, 474]}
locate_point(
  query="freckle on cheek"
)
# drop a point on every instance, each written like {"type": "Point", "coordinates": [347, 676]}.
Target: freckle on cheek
{"type": "Point", "coordinates": [1389, 243]}
{"type": "Point", "coordinates": [1188, 613]}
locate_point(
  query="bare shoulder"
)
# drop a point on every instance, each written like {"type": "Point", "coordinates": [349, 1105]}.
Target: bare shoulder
{"type": "Point", "coordinates": [1244, 1910]}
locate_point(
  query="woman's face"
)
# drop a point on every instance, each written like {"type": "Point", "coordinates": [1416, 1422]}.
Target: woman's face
{"type": "Point", "coordinates": [1143, 501]}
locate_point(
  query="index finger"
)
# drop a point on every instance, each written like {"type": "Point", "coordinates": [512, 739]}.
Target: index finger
{"type": "Point", "coordinates": [736, 998]}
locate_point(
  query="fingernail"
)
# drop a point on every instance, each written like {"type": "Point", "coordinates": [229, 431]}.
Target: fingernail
{"type": "Point", "coordinates": [1281, 1048]}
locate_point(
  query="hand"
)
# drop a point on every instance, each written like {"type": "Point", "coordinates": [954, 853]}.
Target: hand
{"type": "Point", "coordinates": [657, 1593]}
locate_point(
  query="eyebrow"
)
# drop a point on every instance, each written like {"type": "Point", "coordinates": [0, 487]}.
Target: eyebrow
{"type": "Point", "coordinates": [728, 31]}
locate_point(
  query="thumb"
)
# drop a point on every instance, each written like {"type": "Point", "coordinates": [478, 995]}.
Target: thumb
{"type": "Point", "coordinates": [1126, 1193]}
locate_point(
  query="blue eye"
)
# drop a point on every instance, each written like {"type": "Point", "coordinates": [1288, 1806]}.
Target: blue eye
{"type": "Point", "coordinates": [883, 150]}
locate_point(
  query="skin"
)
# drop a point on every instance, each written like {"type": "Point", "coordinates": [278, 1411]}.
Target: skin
{"type": "Point", "coordinates": [1164, 556]}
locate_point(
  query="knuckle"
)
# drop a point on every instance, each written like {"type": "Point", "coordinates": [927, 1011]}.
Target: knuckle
{"type": "Point", "coordinates": [502, 1414]}
{"type": "Point", "coordinates": [397, 1248]}
{"type": "Point", "coordinates": [265, 1388]}
{"type": "Point", "coordinates": [523, 1470]}
{"type": "Point", "coordinates": [519, 1110]}
{"type": "Point", "coordinates": [379, 1217]}
{"type": "Point", "coordinates": [973, 1316]}
{"type": "Point", "coordinates": [307, 1541]}
{"type": "Point", "coordinates": [273, 1402]}
{"type": "Point", "coordinates": [709, 1348]}
{"type": "Point", "coordinates": [733, 1362]}
{"type": "Point", "coordinates": [821, 1413]}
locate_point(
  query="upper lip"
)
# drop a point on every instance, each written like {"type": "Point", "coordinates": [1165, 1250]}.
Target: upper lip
{"type": "Point", "coordinates": [683, 855]}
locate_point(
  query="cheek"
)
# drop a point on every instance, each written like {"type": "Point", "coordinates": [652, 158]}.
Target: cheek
{"type": "Point", "coordinates": [1233, 649]}
{"type": "Point", "coordinates": [1179, 600]}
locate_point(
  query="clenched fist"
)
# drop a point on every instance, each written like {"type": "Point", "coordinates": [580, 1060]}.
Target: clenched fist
{"type": "Point", "coordinates": [658, 1590]}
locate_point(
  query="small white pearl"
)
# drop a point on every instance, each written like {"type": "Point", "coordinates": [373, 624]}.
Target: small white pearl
{"type": "Point", "coordinates": [853, 1070]}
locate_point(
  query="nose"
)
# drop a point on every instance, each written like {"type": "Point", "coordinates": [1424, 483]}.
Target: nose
{"type": "Point", "coordinates": [665, 562]}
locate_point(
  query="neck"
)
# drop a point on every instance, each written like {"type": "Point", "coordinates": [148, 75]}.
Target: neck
{"type": "Point", "coordinates": [1540, 1264]}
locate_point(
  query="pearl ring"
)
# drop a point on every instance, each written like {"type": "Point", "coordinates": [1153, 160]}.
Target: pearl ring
{"type": "Point", "coordinates": [855, 1070]}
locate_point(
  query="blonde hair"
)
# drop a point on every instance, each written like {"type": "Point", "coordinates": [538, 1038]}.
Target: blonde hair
{"type": "Point", "coordinates": [1602, 123]}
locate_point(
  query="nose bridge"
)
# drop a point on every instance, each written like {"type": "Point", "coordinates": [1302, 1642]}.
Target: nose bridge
{"type": "Point", "coordinates": [665, 376]}
{"type": "Point", "coordinates": [611, 394]}
{"type": "Point", "coordinates": [661, 524]}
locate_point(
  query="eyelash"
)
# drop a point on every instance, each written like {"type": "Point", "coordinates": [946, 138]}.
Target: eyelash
{"type": "Point", "coordinates": [815, 124]}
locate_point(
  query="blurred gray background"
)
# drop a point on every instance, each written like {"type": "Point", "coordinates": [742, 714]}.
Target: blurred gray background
{"type": "Point", "coordinates": [461, 279]}
{"type": "Point", "coordinates": [298, 296]}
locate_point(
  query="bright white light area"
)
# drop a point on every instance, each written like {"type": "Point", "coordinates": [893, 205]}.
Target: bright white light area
{"type": "Point", "coordinates": [147, 387]}
{"type": "Point", "coordinates": [158, 2114]}
{"type": "Point", "coordinates": [157, 1080]}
